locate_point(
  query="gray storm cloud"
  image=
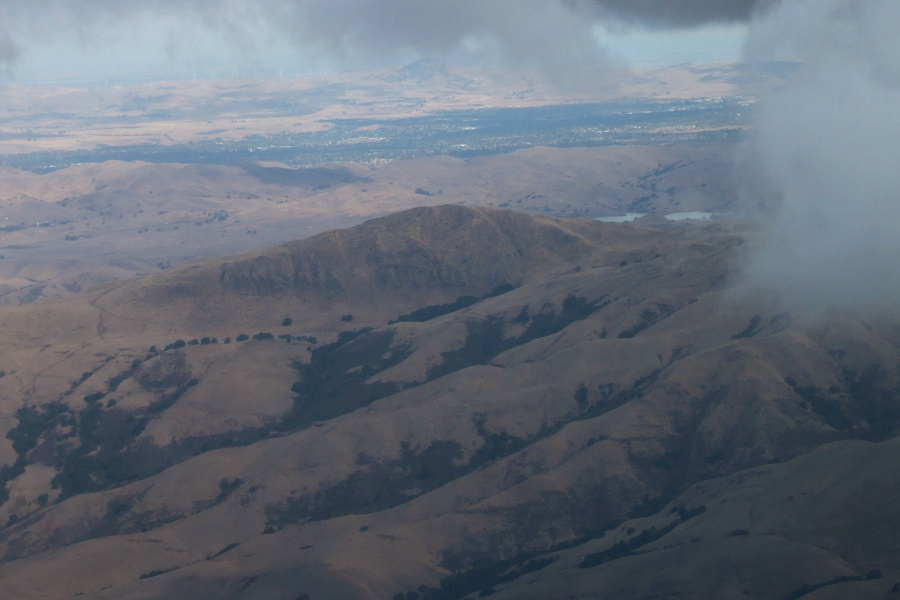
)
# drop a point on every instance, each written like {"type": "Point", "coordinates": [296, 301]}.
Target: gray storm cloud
{"type": "Point", "coordinates": [828, 144]}
{"type": "Point", "coordinates": [680, 13]}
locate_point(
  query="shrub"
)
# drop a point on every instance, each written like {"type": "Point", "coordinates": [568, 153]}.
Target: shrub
{"type": "Point", "coordinates": [95, 397]}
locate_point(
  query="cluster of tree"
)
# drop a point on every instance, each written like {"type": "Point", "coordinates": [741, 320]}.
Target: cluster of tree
{"type": "Point", "coordinates": [632, 545]}
{"type": "Point", "coordinates": [436, 310]}
{"type": "Point", "coordinates": [242, 337]}
{"type": "Point", "coordinates": [486, 339]}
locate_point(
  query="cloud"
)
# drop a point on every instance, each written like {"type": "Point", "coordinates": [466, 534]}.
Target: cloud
{"type": "Point", "coordinates": [826, 144]}
{"type": "Point", "coordinates": [545, 33]}
{"type": "Point", "coordinates": [9, 51]}
{"type": "Point", "coordinates": [553, 34]}
{"type": "Point", "coordinates": [678, 13]}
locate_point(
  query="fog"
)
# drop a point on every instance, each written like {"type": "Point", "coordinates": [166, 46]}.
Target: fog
{"type": "Point", "coordinates": [826, 144]}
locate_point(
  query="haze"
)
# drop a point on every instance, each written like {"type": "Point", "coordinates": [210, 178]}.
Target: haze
{"type": "Point", "coordinates": [825, 145]}
{"type": "Point", "coordinates": [372, 333]}
{"type": "Point", "coordinates": [53, 40]}
{"type": "Point", "coordinates": [821, 148]}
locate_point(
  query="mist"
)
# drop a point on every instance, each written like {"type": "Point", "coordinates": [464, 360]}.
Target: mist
{"type": "Point", "coordinates": [555, 36]}
{"type": "Point", "coordinates": [822, 145]}
{"type": "Point", "coordinates": [826, 145]}
{"type": "Point", "coordinates": [548, 35]}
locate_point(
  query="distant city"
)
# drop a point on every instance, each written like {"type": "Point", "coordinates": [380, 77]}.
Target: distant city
{"type": "Point", "coordinates": [460, 133]}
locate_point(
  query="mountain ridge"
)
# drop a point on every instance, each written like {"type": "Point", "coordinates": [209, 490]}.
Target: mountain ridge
{"type": "Point", "coordinates": [612, 388]}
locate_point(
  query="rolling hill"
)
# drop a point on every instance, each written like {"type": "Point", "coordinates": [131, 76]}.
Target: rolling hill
{"type": "Point", "coordinates": [74, 228]}
{"type": "Point", "coordinates": [450, 402]}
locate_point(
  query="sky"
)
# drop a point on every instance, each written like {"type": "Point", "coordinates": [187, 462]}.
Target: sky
{"type": "Point", "coordinates": [654, 48]}
{"type": "Point", "coordinates": [97, 41]}
{"type": "Point", "coordinates": [205, 54]}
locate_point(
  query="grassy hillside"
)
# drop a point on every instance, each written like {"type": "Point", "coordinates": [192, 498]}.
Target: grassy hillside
{"type": "Point", "coordinates": [449, 402]}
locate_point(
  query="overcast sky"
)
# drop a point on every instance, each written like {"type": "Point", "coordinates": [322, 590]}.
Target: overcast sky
{"type": "Point", "coordinates": [58, 41]}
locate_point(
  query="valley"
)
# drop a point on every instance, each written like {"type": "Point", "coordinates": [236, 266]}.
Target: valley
{"type": "Point", "coordinates": [84, 225]}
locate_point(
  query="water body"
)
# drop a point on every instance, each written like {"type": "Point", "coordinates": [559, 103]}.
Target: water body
{"type": "Point", "coordinates": [690, 215]}
{"type": "Point", "coordinates": [682, 216]}
{"type": "Point", "coordinates": [620, 219]}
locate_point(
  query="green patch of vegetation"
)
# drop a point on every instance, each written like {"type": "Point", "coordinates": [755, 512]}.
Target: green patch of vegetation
{"type": "Point", "coordinates": [581, 395]}
{"type": "Point", "coordinates": [648, 318]}
{"type": "Point", "coordinates": [227, 548]}
{"type": "Point", "coordinates": [827, 406]}
{"type": "Point", "coordinates": [166, 371]}
{"type": "Point", "coordinates": [334, 381]}
{"type": "Point", "coordinates": [499, 444]}
{"type": "Point", "coordinates": [806, 589]}
{"type": "Point", "coordinates": [376, 486]}
{"type": "Point", "coordinates": [95, 397]}
{"type": "Point", "coordinates": [484, 574]}
{"type": "Point", "coordinates": [875, 397]}
{"type": "Point", "coordinates": [381, 485]}
{"type": "Point", "coordinates": [437, 310]}
{"type": "Point", "coordinates": [630, 546]}
{"type": "Point", "coordinates": [33, 422]}
{"type": "Point", "coordinates": [158, 572]}
{"type": "Point", "coordinates": [647, 507]}
{"type": "Point", "coordinates": [751, 330]}
{"type": "Point", "coordinates": [485, 339]}
{"type": "Point", "coordinates": [106, 456]}
{"type": "Point", "coordinates": [228, 487]}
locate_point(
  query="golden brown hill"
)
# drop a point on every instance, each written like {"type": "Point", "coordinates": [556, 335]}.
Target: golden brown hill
{"type": "Point", "coordinates": [819, 526]}
{"type": "Point", "coordinates": [74, 228]}
{"type": "Point", "coordinates": [488, 437]}
{"type": "Point", "coordinates": [381, 268]}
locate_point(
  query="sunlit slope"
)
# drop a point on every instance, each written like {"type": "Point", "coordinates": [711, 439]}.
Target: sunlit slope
{"type": "Point", "coordinates": [544, 384]}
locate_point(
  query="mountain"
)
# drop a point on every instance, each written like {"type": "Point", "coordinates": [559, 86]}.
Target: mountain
{"type": "Point", "coordinates": [89, 224]}
{"type": "Point", "coordinates": [451, 402]}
